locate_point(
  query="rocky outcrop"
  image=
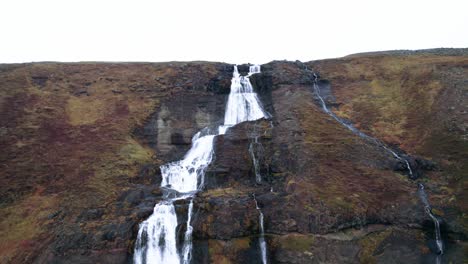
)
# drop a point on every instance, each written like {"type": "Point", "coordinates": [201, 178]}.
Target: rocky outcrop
{"type": "Point", "coordinates": [83, 144]}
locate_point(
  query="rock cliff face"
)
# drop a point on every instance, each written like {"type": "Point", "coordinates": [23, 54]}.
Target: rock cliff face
{"type": "Point", "coordinates": [82, 145]}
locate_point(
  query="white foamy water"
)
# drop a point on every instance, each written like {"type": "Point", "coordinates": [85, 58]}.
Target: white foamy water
{"type": "Point", "coordinates": [157, 241]}
{"type": "Point", "coordinates": [187, 175]}
{"type": "Point", "coordinates": [243, 103]}
{"type": "Point", "coordinates": [158, 231]}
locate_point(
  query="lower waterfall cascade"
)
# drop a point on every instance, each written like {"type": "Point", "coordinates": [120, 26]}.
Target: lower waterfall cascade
{"type": "Point", "coordinates": [181, 180]}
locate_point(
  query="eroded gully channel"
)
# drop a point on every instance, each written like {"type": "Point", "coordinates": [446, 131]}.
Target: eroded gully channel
{"type": "Point", "coordinates": [181, 180]}
{"type": "Point", "coordinates": [421, 192]}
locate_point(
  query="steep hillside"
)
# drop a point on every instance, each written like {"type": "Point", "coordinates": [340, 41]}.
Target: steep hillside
{"type": "Point", "coordinates": [82, 144]}
{"type": "Point", "coordinates": [418, 103]}
{"type": "Point", "coordinates": [73, 171]}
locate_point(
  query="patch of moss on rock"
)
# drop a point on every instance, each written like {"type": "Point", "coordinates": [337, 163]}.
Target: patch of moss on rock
{"type": "Point", "coordinates": [369, 244]}
{"type": "Point", "coordinates": [296, 242]}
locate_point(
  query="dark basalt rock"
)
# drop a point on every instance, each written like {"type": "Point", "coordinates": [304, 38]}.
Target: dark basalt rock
{"type": "Point", "coordinates": [40, 80]}
{"type": "Point", "coordinates": [235, 217]}
{"type": "Point", "coordinates": [169, 131]}
{"type": "Point", "coordinates": [92, 214]}
{"type": "Point", "coordinates": [228, 169]}
{"type": "Point", "coordinates": [80, 163]}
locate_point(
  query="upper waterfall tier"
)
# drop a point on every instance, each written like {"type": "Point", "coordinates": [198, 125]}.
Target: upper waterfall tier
{"type": "Point", "coordinates": [243, 103]}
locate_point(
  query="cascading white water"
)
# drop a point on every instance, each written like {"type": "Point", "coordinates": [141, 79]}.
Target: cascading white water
{"type": "Point", "coordinates": [428, 210]}
{"type": "Point", "coordinates": [187, 174]}
{"type": "Point", "coordinates": [243, 103]}
{"type": "Point", "coordinates": [261, 239]}
{"type": "Point", "coordinates": [157, 241]}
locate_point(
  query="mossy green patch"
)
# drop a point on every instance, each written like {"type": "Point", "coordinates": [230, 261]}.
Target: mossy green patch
{"type": "Point", "coordinates": [85, 110]}
{"type": "Point", "coordinates": [24, 221]}
{"type": "Point", "coordinates": [241, 243]}
{"type": "Point", "coordinates": [296, 242]}
{"type": "Point", "coordinates": [220, 192]}
{"type": "Point", "coordinates": [369, 244]}
{"type": "Point", "coordinates": [133, 152]}
{"type": "Point", "coordinates": [216, 250]}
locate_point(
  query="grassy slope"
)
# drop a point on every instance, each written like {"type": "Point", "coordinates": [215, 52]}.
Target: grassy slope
{"type": "Point", "coordinates": [67, 145]}
{"type": "Point", "coordinates": [418, 103]}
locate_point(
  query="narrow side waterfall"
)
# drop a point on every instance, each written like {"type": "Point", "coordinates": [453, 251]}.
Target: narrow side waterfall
{"type": "Point", "coordinates": [261, 239]}
{"type": "Point", "coordinates": [181, 180]}
{"type": "Point", "coordinates": [428, 209]}
{"type": "Point", "coordinates": [187, 249]}
{"type": "Point", "coordinates": [421, 192]}
{"type": "Point", "coordinates": [254, 150]}
{"type": "Point", "coordinates": [355, 130]}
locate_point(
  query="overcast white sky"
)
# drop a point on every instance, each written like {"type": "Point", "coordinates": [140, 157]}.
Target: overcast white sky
{"type": "Point", "coordinates": [236, 31]}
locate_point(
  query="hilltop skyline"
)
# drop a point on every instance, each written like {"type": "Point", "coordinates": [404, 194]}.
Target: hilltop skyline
{"type": "Point", "coordinates": [246, 31]}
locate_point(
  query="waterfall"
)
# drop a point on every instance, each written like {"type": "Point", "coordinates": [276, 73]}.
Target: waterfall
{"type": "Point", "coordinates": [421, 192]}
{"type": "Point", "coordinates": [261, 239]}
{"type": "Point", "coordinates": [428, 210]}
{"type": "Point", "coordinates": [159, 231]}
{"type": "Point", "coordinates": [157, 238]}
{"type": "Point", "coordinates": [355, 130]}
{"type": "Point", "coordinates": [187, 174]}
{"type": "Point", "coordinates": [254, 148]}
{"type": "Point", "coordinates": [243, 103]}
{"type": "Point", "coordinates": [187, 249]}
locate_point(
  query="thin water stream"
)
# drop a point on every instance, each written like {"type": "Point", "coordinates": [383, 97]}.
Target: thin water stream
{"type": "Point", "coordinates": [355, 130]}
{"type": "Point", "coordinates": [421, 192]}
{"type": "Point", "coordinates": [428, 209]}
{"type": "Point", "coordinates": [261, 239]}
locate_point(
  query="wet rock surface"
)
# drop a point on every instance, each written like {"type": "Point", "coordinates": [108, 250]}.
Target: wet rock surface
{"type": "Point", "coordinates": [83, 144]}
